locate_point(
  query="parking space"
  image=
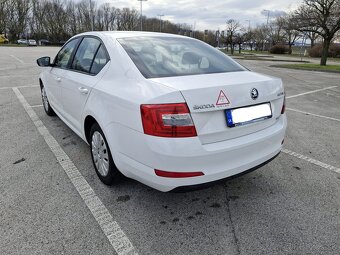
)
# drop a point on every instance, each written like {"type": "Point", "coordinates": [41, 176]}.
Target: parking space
{"type": "Point", "coordinates": [290, 206]}
{"type": "Point", "coordinates": [40, 211]}
{"type": "Point", "coordinates": [325, 103]}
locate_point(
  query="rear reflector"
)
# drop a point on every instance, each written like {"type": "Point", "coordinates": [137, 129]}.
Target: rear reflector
{"type": "Point", "coordinates": [167, 120]}
{"type": "Point", "coordinates": [177, 174]}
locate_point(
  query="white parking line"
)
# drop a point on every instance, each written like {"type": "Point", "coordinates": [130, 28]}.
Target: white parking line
{"type": "Point", "coordinates": [311, 160]}
{"type": "Point", "coordinates": [111, 229]}
{"type": "Point", "coordinates": [312, 114]}
{"type": "Point", "coordinates": [16, 75]}
{"type": "Point", "coordinates": [22, 62]}
{"type": "Point", "coordinates": [25, 86]}
{"type": "Point", "coordinates": [310, 92]}
{"type": "Point", "coordinates": [36, 106]}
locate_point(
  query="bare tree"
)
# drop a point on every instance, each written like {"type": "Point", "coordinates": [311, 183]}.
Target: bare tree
{"type": "Point", "coordinates": [312, 36]}
{"type": "Point", "coordinates": [84, 16]}
{"type": "Point", "coordinates": [58, 20]}
{"type": "Point", "coordinates": [275, 29]}
{"type": "Point", "coordinates": [249, 38]}
{"type": "Point", "coordinates": [232, 27]}
{"type": "Point", "coordinates": [291, 31]}
{"type": "Point", "coordinates": [108, 16]}
{"type": "Point", "coordinates": [260, 35]}
{"type": "Point", "coordinates": [240, 38]}
{"type": "Point", "coordinates": [3, 16]}
{"type": "Point", "coordinates": [321, 17]}
{"type": "Point", "coordinates": [38, 19]}
{"type": "Point", "coordinates": [17, 17]}
{"type": "Point", "coordinates": [127, 19]}
{"type": "Point", "coordinates": [72, 19]}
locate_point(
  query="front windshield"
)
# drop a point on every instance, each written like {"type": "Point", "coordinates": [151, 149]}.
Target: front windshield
{"type": "Point", "coordinates": [173, 56]}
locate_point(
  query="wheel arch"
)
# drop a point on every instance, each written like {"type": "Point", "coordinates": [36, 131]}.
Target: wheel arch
{"type": "Point", "coordinates": [41, 83]}
{"type": "Point", "coordinates": [88, 122]}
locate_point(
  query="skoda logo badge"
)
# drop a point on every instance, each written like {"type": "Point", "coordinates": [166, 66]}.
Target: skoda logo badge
{"type": "Point", "coordinates": [254, 93]}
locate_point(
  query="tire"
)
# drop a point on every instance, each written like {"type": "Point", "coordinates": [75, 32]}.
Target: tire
{"type": "Point", "coordinates": [101, 157]}
{"type": "Point", "coordinates": [47, 107]}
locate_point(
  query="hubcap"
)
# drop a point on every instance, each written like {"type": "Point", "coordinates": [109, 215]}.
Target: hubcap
{"type": "Point", "coordinates": [99, 153]}
{"type": "Point", "coordinates": [44, 98]}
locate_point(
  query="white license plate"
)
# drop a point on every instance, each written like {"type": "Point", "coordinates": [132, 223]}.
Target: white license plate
{"type": "Point", "coordinates": [247, 115]}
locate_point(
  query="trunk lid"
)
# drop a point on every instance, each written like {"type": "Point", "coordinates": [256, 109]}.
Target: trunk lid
{"type": "Point", "coordinates": [208, 96]}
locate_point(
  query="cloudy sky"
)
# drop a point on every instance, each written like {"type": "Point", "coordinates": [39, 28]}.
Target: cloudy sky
{"type": "Point", "coordinates": [209, 14]}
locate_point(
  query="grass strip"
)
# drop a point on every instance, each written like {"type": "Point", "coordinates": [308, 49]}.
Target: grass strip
{"type": "Point", "coordinates": [311, 67]}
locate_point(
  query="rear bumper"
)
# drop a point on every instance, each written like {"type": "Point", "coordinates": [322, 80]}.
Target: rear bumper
{"type": "Point", "coordinates": [139, 154]}
{"type": "Point", "coordinates": [209, 184]}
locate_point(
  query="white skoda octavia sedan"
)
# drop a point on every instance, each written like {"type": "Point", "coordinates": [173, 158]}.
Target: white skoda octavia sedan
{"type": "Point", "coordinates": [166, 110]}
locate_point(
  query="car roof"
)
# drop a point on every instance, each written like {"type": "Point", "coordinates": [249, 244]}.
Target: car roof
{"type": "Point", "coordinates": [124, 34]}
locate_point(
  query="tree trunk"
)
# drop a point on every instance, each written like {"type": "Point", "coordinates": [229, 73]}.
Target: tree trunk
{"type": "Point", "coordinates": [290, 49]}
{"type": "Point", "coordinates": [239, 48]}
{"type": "Point", "coordinates": [231, 43]}
{"type": "Point", "coordinates": [324, 54]}
{"type": "Point", "coordinates": [312, 42]}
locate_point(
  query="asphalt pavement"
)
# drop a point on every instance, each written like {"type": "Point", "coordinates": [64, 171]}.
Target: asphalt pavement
{"type": "Point", "coordinates": [290, 206]}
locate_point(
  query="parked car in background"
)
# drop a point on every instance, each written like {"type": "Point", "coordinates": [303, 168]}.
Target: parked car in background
{"type": "Point", "coordinates": [3, 39]}
{"type": "Point", "coordinates": [62, 42]}
{"type": "Point", "coordinates": [22, 41]}
{"type": "Point", "coordinates": [166, 110]}
{"type": "Point", "coordinates": [44, 42]}
{"type": "Point", "coordinates": [32, 42]}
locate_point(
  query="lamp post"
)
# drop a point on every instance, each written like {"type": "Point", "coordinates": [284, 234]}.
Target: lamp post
{"type": "Point", "coordinates": [248, 24]}
{"type": "Point", "coordinates": [141, 13]}
{"type": "Point", "coordinates": [249, 36]}
{"type": "Point", "coordinates": [268, 12]}
{"type": "Point", "coordinates": [160, 22]}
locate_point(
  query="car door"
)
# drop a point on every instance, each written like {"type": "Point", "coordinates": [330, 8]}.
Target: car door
{"type": "Point", "coordinates": [57, 73]}
{"type": "Point", "coordinates": [84, 74]}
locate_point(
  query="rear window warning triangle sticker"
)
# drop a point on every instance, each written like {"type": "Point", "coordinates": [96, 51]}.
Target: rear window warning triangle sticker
{"type": "Point", "coordinates": [222, 99]}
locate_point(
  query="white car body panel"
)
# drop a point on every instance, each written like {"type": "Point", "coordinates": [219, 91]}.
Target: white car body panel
{"type": "Point", "coordinates": [217, 160]}
{"type": "Point", "coordinates": [210, 123]}
{"type": "Point", "coordinates": [54, 87]}
{"type": "Point", "coordinates": [114, 99]}
{"type": "Point", "coordinates": [75, 90]}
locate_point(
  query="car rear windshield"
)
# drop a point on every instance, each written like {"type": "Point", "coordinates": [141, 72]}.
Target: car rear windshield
{"type": "Point", "coordinates": [157, 57]}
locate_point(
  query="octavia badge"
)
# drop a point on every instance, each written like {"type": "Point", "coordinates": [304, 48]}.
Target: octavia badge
{"type": "Point", "coordinates": [254, 93]}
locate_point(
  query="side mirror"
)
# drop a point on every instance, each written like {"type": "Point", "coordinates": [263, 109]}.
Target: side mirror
{"type": "Point", "coordinates": [44, 61]}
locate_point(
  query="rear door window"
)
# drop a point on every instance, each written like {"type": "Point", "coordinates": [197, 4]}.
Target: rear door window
{"type": "Point", "coordinates": [85, 54]}
{"type": "Point", "coordinates": [100, 60]}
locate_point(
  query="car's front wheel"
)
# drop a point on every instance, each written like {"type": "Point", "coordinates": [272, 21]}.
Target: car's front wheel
{"type": "Point", "coordinates": [47, 107]}
{"type": "Point", "coordinates": [101, 157]}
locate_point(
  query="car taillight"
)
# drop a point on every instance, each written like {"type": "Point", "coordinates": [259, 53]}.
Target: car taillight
{"type": "Point", "coordinates": [167, 120]}
{"type": "Point", "coordinates": [168, 174]}
{"type": "Point", "coordinates": [283, 106]}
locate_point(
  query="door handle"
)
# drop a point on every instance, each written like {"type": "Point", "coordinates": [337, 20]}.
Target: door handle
{"type": "Point", "coordinates": [58, 79]}
{"type": "Point", "coordinates": [83, 90]}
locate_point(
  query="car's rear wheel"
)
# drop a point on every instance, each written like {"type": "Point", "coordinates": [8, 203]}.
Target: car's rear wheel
{"type": "Point", "coordinates": [101, 157]}
{"type": "Point", "coordinates": [47, 107]}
